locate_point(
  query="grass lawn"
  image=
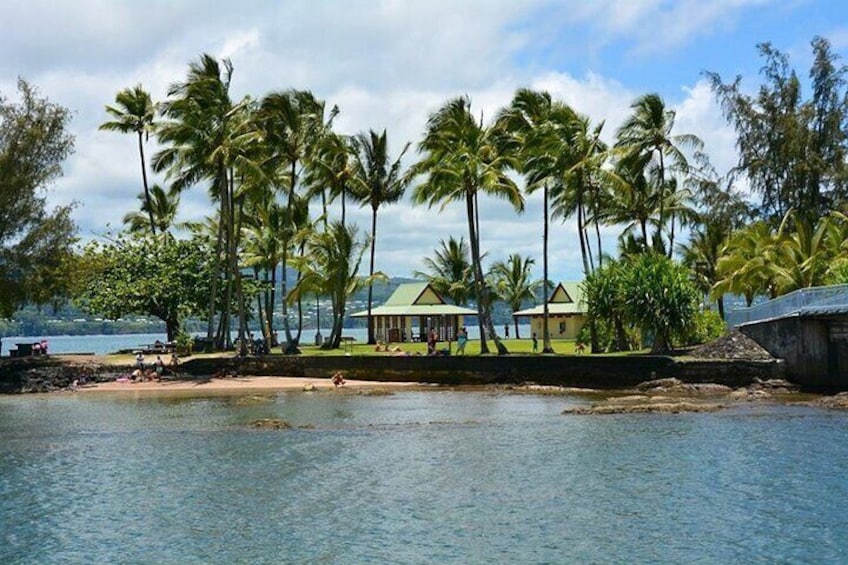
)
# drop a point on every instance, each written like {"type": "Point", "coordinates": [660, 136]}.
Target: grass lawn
{"type": "Point", "coordinates": [515, 347]}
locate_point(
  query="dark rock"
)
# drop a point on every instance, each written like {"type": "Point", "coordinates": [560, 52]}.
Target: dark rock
{"type": "Point", "coordinates": [734, 345]}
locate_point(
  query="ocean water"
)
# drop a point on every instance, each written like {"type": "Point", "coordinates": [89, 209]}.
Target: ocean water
{"type": "Point", "coordinates": [416, 477]}
{"type": "Point", "coordinates": [103, 344]}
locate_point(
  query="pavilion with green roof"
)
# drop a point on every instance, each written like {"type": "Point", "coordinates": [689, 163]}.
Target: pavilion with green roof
{"type": "Point", "coordinates": [412, 311]}
{"type": "Point", "coordinates": [566, 312]}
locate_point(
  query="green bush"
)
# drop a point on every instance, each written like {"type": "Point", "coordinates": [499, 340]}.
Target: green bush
{"type": "Point", "coordinates": [705, 326]}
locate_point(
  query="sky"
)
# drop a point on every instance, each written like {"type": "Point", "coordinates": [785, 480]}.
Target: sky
{"type": "Point", "coordinates": [389, 64]}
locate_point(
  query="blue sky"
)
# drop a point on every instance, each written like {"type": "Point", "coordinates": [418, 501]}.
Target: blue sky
{"type": "Point", "coordinates": [388, 64]}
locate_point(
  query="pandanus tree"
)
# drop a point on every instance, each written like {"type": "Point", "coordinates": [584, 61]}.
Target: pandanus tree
{"type": "Point", "coordinates": [463, 158]}
{"type": "Point", "coordinates": [293, 123]}
{"type": "Point", "coordinates": [513, 282]}
{"type": "Point", "coordinates": [377, 181]}
{"type": "Point", "coordinates": [135, 112]}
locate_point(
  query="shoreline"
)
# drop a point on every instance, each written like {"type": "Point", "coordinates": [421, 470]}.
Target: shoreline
{"type": "Point", "coordinates": [240, 384]}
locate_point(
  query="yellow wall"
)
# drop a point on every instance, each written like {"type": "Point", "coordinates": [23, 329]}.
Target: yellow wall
{"type": "Point", "coordinates": [559, 327]}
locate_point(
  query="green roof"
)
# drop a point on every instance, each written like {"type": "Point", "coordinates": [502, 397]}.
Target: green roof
{"type": "Point", "coordinates": [566, 299]}
{"type": "Point", "coordinates": [416, 299]}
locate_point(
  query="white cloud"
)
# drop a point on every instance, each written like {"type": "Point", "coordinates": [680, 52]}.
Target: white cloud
{"type": "Point", "coordinates": [387, 64]}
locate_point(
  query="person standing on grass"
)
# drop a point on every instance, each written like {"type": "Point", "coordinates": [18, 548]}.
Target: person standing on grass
{"type": "Point", "coordinates": [535, 343]}
{"type": "Point", "coordinates": [461, 340]}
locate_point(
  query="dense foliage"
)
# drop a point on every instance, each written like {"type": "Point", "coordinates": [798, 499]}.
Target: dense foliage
{"type": "Point", "coordinates": [35, 243]}
{"type": "Point", "coordinates": [648, 292]}
{"type": "Point", "coordinates": [157, 276]}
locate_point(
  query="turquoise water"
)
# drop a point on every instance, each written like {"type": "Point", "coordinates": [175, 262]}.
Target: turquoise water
{"type": "Point", "coordinates": [417, 477]}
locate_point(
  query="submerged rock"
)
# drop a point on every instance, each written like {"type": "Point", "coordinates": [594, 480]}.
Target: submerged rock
{"type": "Point", "coordinates": [271, 423]}
{"type": "Point", "coordinates": [643, 408]}
{"type": "Point", "coordinates": [835, 402]}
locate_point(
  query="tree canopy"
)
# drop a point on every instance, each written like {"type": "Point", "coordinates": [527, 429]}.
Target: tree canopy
{"type": "Point", "coordinates": [34, 241]}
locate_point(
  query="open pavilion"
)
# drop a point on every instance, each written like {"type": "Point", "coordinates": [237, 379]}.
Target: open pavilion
{"type": "Point", "coordinates": [412, 311]}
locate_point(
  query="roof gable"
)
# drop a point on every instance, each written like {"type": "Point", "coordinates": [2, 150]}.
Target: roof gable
{"type": "Point", "coordinates": [409, 294]}
{"type": "Point", "coordinates": [567, 293]}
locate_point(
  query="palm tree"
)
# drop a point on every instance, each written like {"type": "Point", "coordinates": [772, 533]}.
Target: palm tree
{"type": "Point", "coordinates": [330, 267]}
{"type": "Point", "coordinates": [208, 137]}
{"type": "Point", "coordinates": [163, 207]}
{"type": "Point", "coordinates": [512, 282]}
{"type": "Point", "coordinates": [134, 111]}
{"type": "Point", "coordinates": [293, 123]}
{"type": "Point", "coordinates": [332, 168]}
{"type": "Point", "coordinates": [648, 133]}
{"type": "Point", "coordinates": [541, 128]}
{"type": "Point", "coordinates": [701, 254]}
{"type": "Point", "coordinates": [746, 266]}
{"type": "Point", "coordinates": [449, 271]}
{"type": "Point", "coordinates": [376, 181]}
{"type": "Point", "coordinates": [463, 158]}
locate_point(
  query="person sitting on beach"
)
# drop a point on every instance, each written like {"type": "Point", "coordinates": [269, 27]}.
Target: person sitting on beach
{"type": "Point", "coordinates": [44, 347]}
{"type": "Point", "coordinates": [338, 379]}
{"type": "Point", "coordinates": [137, 375]}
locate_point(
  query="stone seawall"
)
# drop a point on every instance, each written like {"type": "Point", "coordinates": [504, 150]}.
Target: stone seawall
{"type": "Point", "coordinates": [577, 371]}
{"type": "Point", "coordinates": [49, 373]}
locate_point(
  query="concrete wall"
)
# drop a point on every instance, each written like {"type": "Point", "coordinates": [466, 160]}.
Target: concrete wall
{"type": "Point", "coordinates": [577, 371]}
{"type": "Point", "coordinates": [805, 346]}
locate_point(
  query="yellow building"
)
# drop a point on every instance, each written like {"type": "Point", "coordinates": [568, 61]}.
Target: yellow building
{"type": "Point", "coordinates": [566, 312]}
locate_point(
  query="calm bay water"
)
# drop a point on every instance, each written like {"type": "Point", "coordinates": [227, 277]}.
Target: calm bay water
{"type": "Point", "coordinates": [417, 477]}
{"type": "Point", "coordinates": [103, 344]}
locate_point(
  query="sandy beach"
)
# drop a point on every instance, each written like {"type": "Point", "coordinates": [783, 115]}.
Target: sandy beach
{"type": "Point", "coordinates": [236, 384]}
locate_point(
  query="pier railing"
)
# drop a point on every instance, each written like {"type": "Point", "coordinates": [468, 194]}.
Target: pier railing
{"type": "Point", "coordinates": [822, 298]}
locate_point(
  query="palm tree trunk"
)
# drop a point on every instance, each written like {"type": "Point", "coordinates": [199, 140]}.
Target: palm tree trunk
{"type": "Point", "coordinates": [484, 292]}
{"type": "Point", "coordinates": [546, 334]}
{"type": "Point", "coordinates": [284, 292]}
{"type": "Point", "coordinates": [371, 340]}
{"type": "Point", "coordinates": [213, 291]}
{"type": "Point", "coordinates": [242, 335]}
{"type": "Point", "coordinates": [475, 258]}
{"type": "Point", "coordinates": [300, 302]}
{"type": "Point", "coordinates": [146, 189]}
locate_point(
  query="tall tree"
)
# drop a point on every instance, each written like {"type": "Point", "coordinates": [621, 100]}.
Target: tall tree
{"type": "Point", "coordinates": [377, 180]}
{"type": "Point", "coordinates": [293, 122]}
{"type": "Point", "coordinates": [208, 136]}
{"type": "Point", "coordinates": [513, 282]}
{"type": "Point", "coordinates": [162, 205]}
{"type": "Point", "coordinates": [647, 133]}
{"type": "Point", "coordinates": [331, 267]}
{"type": "Point", "coordinates": [34, 142]}
{"type": "Point", "coordinates": [135, 112]}
{"type": "Point", "coordinates": [463, 158]}
{"type": "Point", "coordinates": [532, 121]}
{"type": "Point", "coordinates": [450, 271]}
{"type": "Point", "coordinates": [792, 150]}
